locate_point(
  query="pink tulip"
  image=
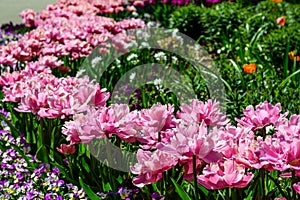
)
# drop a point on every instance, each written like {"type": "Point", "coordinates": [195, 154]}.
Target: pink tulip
{"type": "Point", "coordinates": [296, 187]}
{"type": "Point", "coordinates": [199, 112]}
{"type": "Point", "coordinates": [272, 154]}
{"type": "Point", "coordinates": [150, 166]}
{"type": "Point", "coordinates": [66, 149]}
{"type": "Point", "coordinates": [224, 174]}
{"type": "Point", "coordinates": [130, 8]}
{"type": "Point", "coordinates": [293, 155]}
{"type": "Point", "coordinates": [265, 114]}
{"type": "Point", "coordinates": [157, 119]}
{"type": "Point", "coordinates": [28, 17]}
{"type": "Point", "coordinates": [139, 3]}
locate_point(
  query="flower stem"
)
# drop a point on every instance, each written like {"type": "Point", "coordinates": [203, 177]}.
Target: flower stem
{"type": "Point", "coordinates": [294, 194]}
{"type": "Point", "coordinates": [195, 178]}
{"type": "Point", "coordinates": [262, 183]}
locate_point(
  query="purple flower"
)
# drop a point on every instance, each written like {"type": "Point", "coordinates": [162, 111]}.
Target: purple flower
{"type": "Point", "coordinates": [156, 196]}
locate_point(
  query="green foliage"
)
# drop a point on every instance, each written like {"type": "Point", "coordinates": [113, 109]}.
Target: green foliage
{"type": "Point", "coordinates": [236, 34]}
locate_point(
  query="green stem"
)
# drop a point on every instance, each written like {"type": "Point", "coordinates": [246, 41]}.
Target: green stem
{"type": "Point", "coordinates": [277, 185]}
{"type": "Point", "coordinates": [262, 183]}
{"type": "Point", "coordinates": [195, 177]}
{"type": "Point", "coordinates": [294, 194]}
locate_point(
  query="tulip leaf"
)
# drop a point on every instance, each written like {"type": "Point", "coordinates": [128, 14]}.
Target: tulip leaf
{"type": "Point", "coordinates": [88, 190]}
{"type": "Point", "coordinates": [180, 191]}
{"type": "Point", "coordinates": [203, 189]}
{"type": "Point", "coordinates": [42, 154]}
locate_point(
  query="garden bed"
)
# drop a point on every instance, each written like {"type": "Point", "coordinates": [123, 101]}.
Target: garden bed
{"type": "Point", "coordinates": [151, 100]}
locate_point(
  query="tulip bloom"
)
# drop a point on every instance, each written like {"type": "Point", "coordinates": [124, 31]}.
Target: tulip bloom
{"type": "Point", "coordinates": [281, 21]}
{"type": "Point", "coordinates": [249, 68]}
{"type": "Point", "coordinates": [263, 115]}
{"type": "Point", "coordinates": [296, 187]}
{"type": "Point", "coordinates": [225, 174]}
{"type": "Point", "coordinates": [150, 166]}
{"type": "Point", "coordinates": [66, 149]}
{"type": "Point", "coordinates": [292, 56]}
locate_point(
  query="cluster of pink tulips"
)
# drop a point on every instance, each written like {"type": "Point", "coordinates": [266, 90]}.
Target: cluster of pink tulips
{"type": "Point", "coordinates": [67, 28]}
{"type": "Point", "coordinates": [41, 93]}
{"type": "Point", "coordinates": [198, 140]}
{"type": "Point", "coordinates": [263, 139]}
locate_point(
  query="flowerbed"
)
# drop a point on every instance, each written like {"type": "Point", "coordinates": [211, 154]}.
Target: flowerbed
{"type": "Point", "coordinates": [67, 71]}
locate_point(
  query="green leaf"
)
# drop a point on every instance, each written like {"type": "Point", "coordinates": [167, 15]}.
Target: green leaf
{"type": "Point", "coordinates": [203, 189]}
{"type": "Point", "coordinates": [288, 78]}
{"type": "Point", "coordinates": [119, 179]}
{"type": "Point", "coordinates": [107, 187]}
{"type": "Point", "coordinates": [180, 191]}
{"type": "Point", "coordinates": [42, 154]}
{"type": "Point", "coordinates": [15, 133]}
{"type": "Point", "coordinates": [88, 190]}
{"type": "Point", "coordinates": [239, 72]}
{"type": "Point", "coordinates": [85, 165]}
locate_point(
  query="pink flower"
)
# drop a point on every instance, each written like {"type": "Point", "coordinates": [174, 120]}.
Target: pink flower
{"type": "Point", "coordinates": [293, 155]}
{"type": "Point", "coordinates": [213, 1]}
{"type": "Point", "coordinates": [50, 61]}
{"type": "Point", "coordinates": [154, 122]}
{"type": "Point", "coordinates": [272, 154]}
{"type": "Point", "coordinates": [150, 166]}
{"type": "Point", "coordinates": [248, 153]}
{"type": "Point", "coordinates": [28, 17]}
{"type": "Point", "coordinates": [88, 94]}
{"type": "Point", "coordinates": [99, 123]}
{"type": "Point", "coordinates": [66, 149]}
{"type": "Point", "coordinates": [191, 140]}
{"type": "Point", "coordinates": [119, 9]}
{"type": "Point", "coordinates": [199, 112]}
{"type": "Point", "coordinates": [83, 128]}
{"type": "Point", "coordinates": [7, 79]}
{"type": "Point", "coordinates": [265, 114]}
{"type": "Point", "coordinates": [130, 127]}
{"type": "Point", "coordinates": [296, 187]}
{"type": "Point", "coordinates": [138, 3]}
{"type": "Point", "coordinates": [224, 174]}
{"type": "Point", "coordinates": [280, 198]}
{"type": "Point", "coordinates": [288, 130]}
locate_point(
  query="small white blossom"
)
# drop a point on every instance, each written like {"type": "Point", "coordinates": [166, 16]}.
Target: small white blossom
{"type": "Point", "coordinates": [96, 61]}
{"type": "Point", "coordinates": [160, 56]}
{"type": "Point", "coordinates": [132, 76]}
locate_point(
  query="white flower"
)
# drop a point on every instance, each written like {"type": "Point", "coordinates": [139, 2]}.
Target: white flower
{"type": "Point", "coordinates": [174, 59]}
{"type": "Point", "coordinates": [132, 56]}
{"type": "Point", "coordinates": [96, 61]}
{"type": "Point", "coordinates": [160, 56]}
{"type": "Point", "coordinates": [158, 84]}
{"type": "Point", "coordinates": [135, 14]}
{"type": "Point", "coordinates": [80, 73]}
{"type": "Point", "coordinates": [132, 76]}
{"type": "Point", "coordinates": [269, 128]}
{"type": "Point", "coordinates": [118, 62]}
{"type": "Point", "coordinates": [147, 15]}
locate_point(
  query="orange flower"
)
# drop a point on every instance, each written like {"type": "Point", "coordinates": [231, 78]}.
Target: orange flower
{"type": "Point", "coordinates": [281, 21]}
{"type": "Point", "coordinates": [292, 56]}
{"type": "Point", "coordinates": [249, 68]}
{"type": "Point", "coordinates": [277, 1]}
